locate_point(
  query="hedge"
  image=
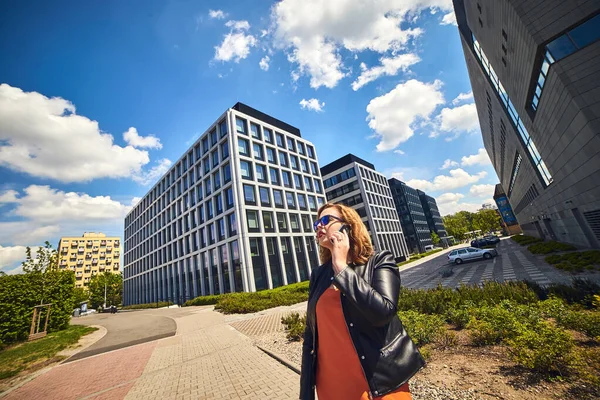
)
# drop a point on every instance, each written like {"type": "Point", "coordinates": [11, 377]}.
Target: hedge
{"type": "Point", "coordinates": [20, 293]}
{"type": "Point", "coordinates": [142, 306]}
{"type": "Point", "coordinates": [525, 240]}
{"type": "Point", "coordinates": [550, 247]}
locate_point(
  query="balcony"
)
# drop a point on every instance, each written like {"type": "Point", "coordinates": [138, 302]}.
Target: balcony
{"type": "Point", "coordinates": [63, 262]}
{"type": "Point", "coordinates": [79, 274]}
{"type": "Point", "coordinates": [108, 248]}
{"type": "Point", "coordinates": [87, 269]}
{"type": "Point", "coordinates": [117, 243]}
{"type": "Point", "coordinates": [64, 249]}
{"type": "Point", "coordinates": [73, 258]}
{"type": "Point", "coordinates": [79, 262]}
{"type": "Point", "coordinates": [95, 261]}
{"type": "Point", "coordinates": [103, 243]}
{"type": "Point", "coordinates": [88, 243]}
{"type": "Point", "coordinates": [108, 260]}
{"type": "Point", "coordinates": [102, 254]}
{"type": "Point", "coordinates": [88, 256]}
{"type": "Point", "coordinates": [116, 267]}
{"type": "Point", "coordinates": [101, 268]}
{"type": "Point", "coordinates": [81, 250]}
{"type": "Point", "coordinates": [74, 244]}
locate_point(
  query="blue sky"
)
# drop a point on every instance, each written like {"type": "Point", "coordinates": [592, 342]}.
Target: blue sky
{"type": "Point", "coordinates": [98, 98]}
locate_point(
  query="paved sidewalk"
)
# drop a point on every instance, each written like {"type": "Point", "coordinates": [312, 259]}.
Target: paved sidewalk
{"type": "Point", "coordinates": [206, 359]}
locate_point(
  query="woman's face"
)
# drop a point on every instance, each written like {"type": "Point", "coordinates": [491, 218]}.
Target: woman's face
{"type": "Point", "coordinates": [324, 232]}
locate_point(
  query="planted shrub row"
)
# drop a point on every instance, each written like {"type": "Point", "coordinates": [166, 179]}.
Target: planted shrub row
{"type": "Point", "coordinates": [575, 262]}
{"type": "Point", "coordinates": [142, 306]}
{"type": "Point", "coordinates": [525, 240]}
{"type": "Point", "coordinates": [550, 247]}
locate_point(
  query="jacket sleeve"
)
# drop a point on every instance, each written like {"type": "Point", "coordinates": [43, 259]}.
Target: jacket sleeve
{"type": "Point", "coordinates": [306, 385]}
{"type": "Point", "coordinates": [378, 302]}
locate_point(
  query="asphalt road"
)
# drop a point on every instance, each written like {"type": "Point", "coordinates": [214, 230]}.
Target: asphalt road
{"type": "Point", "coordinates": [127, 328]}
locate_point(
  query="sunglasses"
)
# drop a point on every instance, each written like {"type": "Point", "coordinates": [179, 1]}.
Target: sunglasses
{"type": "Point", "coordinates": [325, 220]}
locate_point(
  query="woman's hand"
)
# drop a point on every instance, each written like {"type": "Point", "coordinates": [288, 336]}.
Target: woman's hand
{"type": "Point", "coordinates": [339, 253]}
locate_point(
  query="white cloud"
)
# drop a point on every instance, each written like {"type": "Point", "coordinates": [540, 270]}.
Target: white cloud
{"type": "Point", "coordinates": [312, 104]}
{"type": "Point", "coordinates": [44, 137]}
{"type": "Point", "coordinates": [134, 139]}
{"type": "Point", "coordinates": [463, 97]}
{"type": "Point", "coordinates": [236, 44]}
{"type": "Point", "coordinates": [399, 152]}
{"type": "Point", "coordinates": [238, 25]}
{"type": "Point", "coordinates": [449, 163]}
{"type": "Point", "coordinates": [9, 196]}
{"type": "Point", "coordinates": [481, 158]}
{"type": "Point", "coordinates": [393, 114]}
{"type": "Point", "coordinates": [482, 190]}
{"type": "Point", "coordinates": [455, 206]}
{"type": "Point", "coordinates": [11, 255]}
{"type": "Point", "coordinates": [147, 178]}
{"type": "Point", "coordinates": [449, 19]}
{"type": "Point", "coordinates": [457, 178]}
{"type": "Point", "coordinates": [389, 66]}
{"type": "Point", "coordinates": [264, 63]}
{"type": "Point", "coordinates": [216, 14]}
{"type": "Point", "coordinates": [449, 198]}
{"type": "Point", "coordinates": [458, 119]}
{"type": "Point", "coordinates": [316, 31]}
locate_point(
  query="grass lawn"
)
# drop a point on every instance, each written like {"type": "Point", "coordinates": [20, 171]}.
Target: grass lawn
{"type": "Point", "coordinates": [419, 256]}
{"type": "Point", "coordinates": [26, 355]}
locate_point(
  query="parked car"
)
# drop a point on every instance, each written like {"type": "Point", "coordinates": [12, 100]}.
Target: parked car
{"type": "Point", "coordinates": [459, 256]}
{"type": "Point", "coordinates": [485, 241]}
{"type": "Point", "coordinates": [493, 239]}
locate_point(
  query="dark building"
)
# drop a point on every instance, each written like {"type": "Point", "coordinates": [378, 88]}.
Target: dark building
{"type": "Point", "coordinates": [352, 181]}
{"type": "Point", "coordinates": [509, 221]}
{"type": "Point", "coordinates": [412, 216]}
{"type": "Point", "coordinates": [432, 214]}
{"type": "Point", "coordinates": [534, 68]}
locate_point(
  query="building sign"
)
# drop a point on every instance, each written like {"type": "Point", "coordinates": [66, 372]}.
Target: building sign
{"type": "Point", "coordinates": [506, 211]}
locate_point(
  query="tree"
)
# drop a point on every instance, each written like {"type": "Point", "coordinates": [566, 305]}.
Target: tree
{"type": "Point", "coordinates": [114, 289]}
{"type": "Point", "coordinates": [435, 239]}
{"type": "Point", "coordinates": [80, 295]}
{"type": "Point", "coordinates": [46, 260]}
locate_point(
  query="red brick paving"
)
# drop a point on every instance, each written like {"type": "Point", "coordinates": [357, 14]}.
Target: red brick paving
{"type": "Point", "coordinates": [89, 376]}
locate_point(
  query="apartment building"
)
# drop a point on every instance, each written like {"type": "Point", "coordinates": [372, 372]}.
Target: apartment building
{"type": "Point", "coordinates": [89, 255]}
{"type": "Point", "coordinates": [412, 216]}
{"type": "Point", "coordinates": [233, 214]}
{"type": "Point", "coordinates": [433, 216]}
{"type": "Point", "coordinates": [354, 182]}
{"type": "Point", "coordinates": [534, 68]}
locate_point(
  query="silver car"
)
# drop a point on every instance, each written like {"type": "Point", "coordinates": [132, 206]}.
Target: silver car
{"type": "Point", "coordinates": [458, 256]}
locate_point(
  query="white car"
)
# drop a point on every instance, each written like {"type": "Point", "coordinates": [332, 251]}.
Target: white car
{"type": "Point", "coordinates": [458, 256]}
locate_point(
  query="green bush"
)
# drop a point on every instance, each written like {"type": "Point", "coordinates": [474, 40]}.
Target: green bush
{"type": "Point", "coordinates": [460, 316]}
{"type": "Point", "coordinates": [294, 326]}
{"type": "Point", "coordinates": [524, 240]}
{"type": "Point", "coordinates": [142, 306]}
{"type": "Point", "coordinates": [492, 324]}
{"type": "Point", "coordinates": [550, 247]}
{"type": "Point", "coordinates": [586, 365]}
{"type": "Point", "coordinates": [422, 328]}
{"type": "Point", "coordinates": [581, 291]}
{"type": "Point", "coordinates": [576, 261]}
{"type": "Point", "coordinates": [244, 303]}
{"type": "Point", "coordinates": [586, 322]}
{"type": "Point", "coordinates": [419, 256]}
{"type": "Point", "coordinates": [204, 300]}
{"type": "Point", "coordinates": [543, 347]}
{"type": "Point", "coordinates": [20, 293]}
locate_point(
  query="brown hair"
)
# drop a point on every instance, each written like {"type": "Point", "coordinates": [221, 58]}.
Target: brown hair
{"type": "Point", "coordinates": [361, 247]}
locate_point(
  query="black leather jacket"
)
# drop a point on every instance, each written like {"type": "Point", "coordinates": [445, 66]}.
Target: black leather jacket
{"type": "Point", "coordinates": [369, 300]}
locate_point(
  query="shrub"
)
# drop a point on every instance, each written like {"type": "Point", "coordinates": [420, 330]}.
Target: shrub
{"type": "Point", "coordinates": [492, 324]}
{"type": "Point", "coordinates": [550, 247]}
{"type": "Point", "coordinates": [524, 240]}
{"type": "Point", "coordinates": [543, 347]}
{"type": "Point", "coordinates": [294, 326]}
{"type": "Point", "coordinates": [203, 300]}
{"type": "Point", "coordinates": [20, 293]}
{"type": "Point", "coordinates": [446, 338]}
{"type": "Point", "coordinates": [586, 322]}
{"type": "Point", "coordinates": [586, 365]}
{"type": "Point", "coordinates": [581, 291]}
{"type": "Point", "coordinates": [419, 256]}
{"type": "Point", "coordinates": [425, 352]}
{"type": "Point", "coordinates": [142, 306]}
{"type": "Point", "coordinates": [576, 262]}
{"type": "Point", "coordinates": [422, 328]}
{"type": "Point", "coordinates": [460, 316]}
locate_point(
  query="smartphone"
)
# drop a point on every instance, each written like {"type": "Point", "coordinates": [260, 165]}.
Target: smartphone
{"type": "Point", "coordinates": [345, 228]}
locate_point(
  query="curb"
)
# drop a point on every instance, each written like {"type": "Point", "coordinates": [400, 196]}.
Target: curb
{"type": "Point", "coordinates": [280, 359]}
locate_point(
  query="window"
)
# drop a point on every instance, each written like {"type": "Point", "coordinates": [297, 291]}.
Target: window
{"type": "Point", "coordinates": [306, 223]}
{"type": "Point", "coordinates": [209, 208]}
{"type": "Point", "coordinates": [278, 198]}
{"type": "Point", "coordinates": [291, 201]}
{"type": "Point", "coordinates": [240, 125]}
{"type": "Point", "coordinates": [226, 173]}
{"type": "Point", "coordinates": [282, 222]}
{"type": "Point", "coordinates": [252, 220]}
{"type": "Point", "coordinates": [304, 165]}
{"type": "Point", "coordinates": [290, 144]}
{"type": "Point", "coordinates": [265, 199]}
{"type": "Point", "coordinates": [307, 183]}
{"type": "Point", "coordinates": [215, 158]}
{"type": "Point", "coordinates": [213, 137]}
{"type": "Point", "coordinates": [217, 180]}
{"type": "Point", "coordinates": [298, 181]}
{"type": "Point", "coordinates": [268, 135]}
{"type": "Point", "coordinates": [243, 147]}
{"type": "Point", "coordinates": [268, 221]}
{"type": "Point", "coordinates": [301, 148]}
{"type": "Point", "coordinates": [504, 35]}
{"type": "Point", "coordinates": [221, 228]}
{"type": "Point", "coordinates": [294, 223]}
{"type": "Point", "coordinates": [255, 131]}
{"type": "Point", "coordinates": [207, 186]}
{"type": "Point", "coordinates": [515, 171]}
{"type": "Point", "coordinates": [229, 197]}
{"type": "Point", "coordinates": [257, 150]}
{"type": "Point", "coordinates": [261, 173]}
{"type": "Point", "coordinates": [311, 151]}
{"type": "Point", "coordinates": [249, 195]}
{"type": "Point", "coordinates": [283, 159]}
{"type": "Point", "coordinates": [314, 169]}
{"type": "Point", "coordinates": [279, 138]}
{"type": "Point", "coordinates": [224, 150]}
{"type": "Point", "coordinates": [205, 145]}
{"type": "Point", "coordinates": [271, 155]}
{"type": "Point", "coordinates": [232, 225]}
{"type": "Point", "coordinates": [254, 247]}
{"type": "Point", "coordinates": [294, 162]}
{"type": "Point", "coordinates": [246, 169]}
{"type": "Point", "coordinates": [223, 127]}
{"type": "Point", "coordinates": [286, 179]}
{"type": "Point", "coordinates": [274, 176]}
{"type": "Point", "coordinates": [301, 201]}
{"type": "Point", "coordinates": [311, 203]}
{"type": "Point", "coordinates": [219, 202]}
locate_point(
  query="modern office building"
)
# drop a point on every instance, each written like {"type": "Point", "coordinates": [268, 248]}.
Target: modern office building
{"type": "Point", "coordinates": [89, 255]}
{"type": "Point", "coordinates": [355, 182]}
{"type": "Point", "coordinates": [412, 216]}
{"type": "Point", "coordinates": [234, 213]}
{"type": "Point", "coordinates": [433, 217]}
{"type": "Point", "coordinates": [535, 72]}
{"type": "Point", "coordinates": [509, 222]}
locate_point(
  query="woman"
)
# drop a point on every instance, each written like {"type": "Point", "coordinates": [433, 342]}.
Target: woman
{"type": "Point", "coordinates": [355, 347]}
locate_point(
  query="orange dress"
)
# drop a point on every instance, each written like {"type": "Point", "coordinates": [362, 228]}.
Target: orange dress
{"type": "Point", "coordinates": [339, 373]}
